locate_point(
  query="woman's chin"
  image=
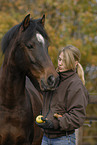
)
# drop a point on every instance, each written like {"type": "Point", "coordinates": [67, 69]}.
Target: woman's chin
{"type": "Point", "coordinates": [62, 70]}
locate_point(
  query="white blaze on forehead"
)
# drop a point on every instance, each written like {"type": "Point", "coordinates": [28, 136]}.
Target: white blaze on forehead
{"type": "Point", "coordinates": [40, 38]}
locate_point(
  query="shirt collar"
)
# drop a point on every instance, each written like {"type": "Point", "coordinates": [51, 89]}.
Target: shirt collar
{"type": "Point", "coordinates": [66, 74]}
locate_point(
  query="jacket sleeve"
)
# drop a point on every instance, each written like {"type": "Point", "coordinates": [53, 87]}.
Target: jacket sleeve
{"type": "Point", "coordinates": [76, 102]}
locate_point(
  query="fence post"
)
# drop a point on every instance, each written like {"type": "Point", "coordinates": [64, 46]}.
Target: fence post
{"type": "Point", "coordinates": [79, 132]}
{"type": "Point", "coordinates": [80, 136]}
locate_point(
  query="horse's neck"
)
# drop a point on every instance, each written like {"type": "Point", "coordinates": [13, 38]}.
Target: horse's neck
{"type": "Point", "coordinates": [12, 85]}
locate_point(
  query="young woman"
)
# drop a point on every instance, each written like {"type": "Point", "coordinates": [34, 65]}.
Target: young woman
{"type": "Point", "coordinates": [64, 109]}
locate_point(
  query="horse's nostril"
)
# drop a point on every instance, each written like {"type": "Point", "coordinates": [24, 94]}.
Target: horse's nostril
{"type": "Point", "coordinates": [51, 80]}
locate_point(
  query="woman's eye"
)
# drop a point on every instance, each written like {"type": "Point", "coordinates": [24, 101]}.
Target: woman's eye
{"type": "Point", "coordinates": [59, 59]}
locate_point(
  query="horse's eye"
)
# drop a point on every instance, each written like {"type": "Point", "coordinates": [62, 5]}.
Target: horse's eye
{"type": "Point", "coordinates": [30, 46]}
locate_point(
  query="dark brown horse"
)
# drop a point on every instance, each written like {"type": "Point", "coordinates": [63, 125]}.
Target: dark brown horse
{"type": "Point", "coordinates": [25, 48]}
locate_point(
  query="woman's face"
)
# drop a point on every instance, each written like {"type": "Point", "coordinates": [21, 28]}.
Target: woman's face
{"type": "Point", "coordinates": [61, 63]}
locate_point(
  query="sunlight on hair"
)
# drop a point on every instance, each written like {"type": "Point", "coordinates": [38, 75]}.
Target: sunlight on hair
{"type": "Point", "coordinates": [80, 72]}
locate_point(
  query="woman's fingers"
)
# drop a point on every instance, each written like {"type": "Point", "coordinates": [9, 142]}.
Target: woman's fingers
{"type": "Point", "coordinates": [57, 115]}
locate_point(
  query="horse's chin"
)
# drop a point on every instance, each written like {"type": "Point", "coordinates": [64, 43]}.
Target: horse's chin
{"type": "Point", "coordinates": [46, 87]}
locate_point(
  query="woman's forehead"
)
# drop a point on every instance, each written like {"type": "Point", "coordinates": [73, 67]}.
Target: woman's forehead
{"type": "Point", "coordinates": [61, 55]}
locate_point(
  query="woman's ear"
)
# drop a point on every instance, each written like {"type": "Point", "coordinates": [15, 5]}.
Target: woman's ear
{"type": "Point", "coordinates": [76, 62]}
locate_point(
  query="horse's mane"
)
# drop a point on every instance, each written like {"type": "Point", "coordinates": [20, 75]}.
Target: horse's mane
{"type": "Point", "coordinates": [12, 33]}
{"type": "Point", "coordinates": [8, 36]}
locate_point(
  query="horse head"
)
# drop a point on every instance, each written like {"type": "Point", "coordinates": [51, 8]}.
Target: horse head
{"type": "Point", "coordinates": [29, 51]}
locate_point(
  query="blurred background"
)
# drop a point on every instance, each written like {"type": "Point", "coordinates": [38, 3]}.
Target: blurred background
{"type": "Point", "coordinates": [67, 22]}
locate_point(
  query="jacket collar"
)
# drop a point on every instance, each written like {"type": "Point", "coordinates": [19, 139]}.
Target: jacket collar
{"type": "Point", "coordinates": [66, 74]}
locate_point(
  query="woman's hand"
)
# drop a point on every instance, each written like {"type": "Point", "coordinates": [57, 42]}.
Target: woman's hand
{"type": "Point", "coordinates": [57, 115]}
{"type": "Point", "coordinates": [47, 124]}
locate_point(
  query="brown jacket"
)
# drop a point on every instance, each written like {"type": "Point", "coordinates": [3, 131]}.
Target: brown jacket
{"type": "Point", "coordinates": [70, 100]}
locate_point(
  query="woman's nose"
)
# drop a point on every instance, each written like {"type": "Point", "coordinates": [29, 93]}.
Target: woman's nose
{"type": "Point", "coordinates": [59, 62]}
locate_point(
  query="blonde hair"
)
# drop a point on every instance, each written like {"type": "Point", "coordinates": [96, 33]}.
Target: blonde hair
{"type": "Point", "coordinates": [71, 55]}
{"type": "Point", "coordinates": [80, 72]}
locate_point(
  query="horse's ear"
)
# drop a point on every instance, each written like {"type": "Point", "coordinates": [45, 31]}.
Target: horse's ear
{"type": "Point", "coordinates": [26, 22]}
{"type": "Point", "coordinates": [42, 20]}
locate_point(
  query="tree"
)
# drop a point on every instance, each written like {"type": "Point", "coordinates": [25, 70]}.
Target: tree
{"type": "Point", "coordinates": [72, 22]}
{"type": "Point", "coordinates": [67, 22]}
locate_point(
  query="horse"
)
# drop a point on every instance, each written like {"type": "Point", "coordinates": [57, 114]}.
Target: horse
{"type": "Point", "coordinates": [26, 67]}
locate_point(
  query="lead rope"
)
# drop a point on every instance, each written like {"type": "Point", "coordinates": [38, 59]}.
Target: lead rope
{"type": "Point", "coordinates": [49, 106]}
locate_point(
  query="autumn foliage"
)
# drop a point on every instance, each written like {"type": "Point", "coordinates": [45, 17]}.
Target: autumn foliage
{"type": "Point", "coordinates": [67, 22]}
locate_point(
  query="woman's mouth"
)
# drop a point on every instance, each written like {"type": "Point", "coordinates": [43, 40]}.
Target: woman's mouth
{"type": "Point", "coordinates": [60, 67]}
